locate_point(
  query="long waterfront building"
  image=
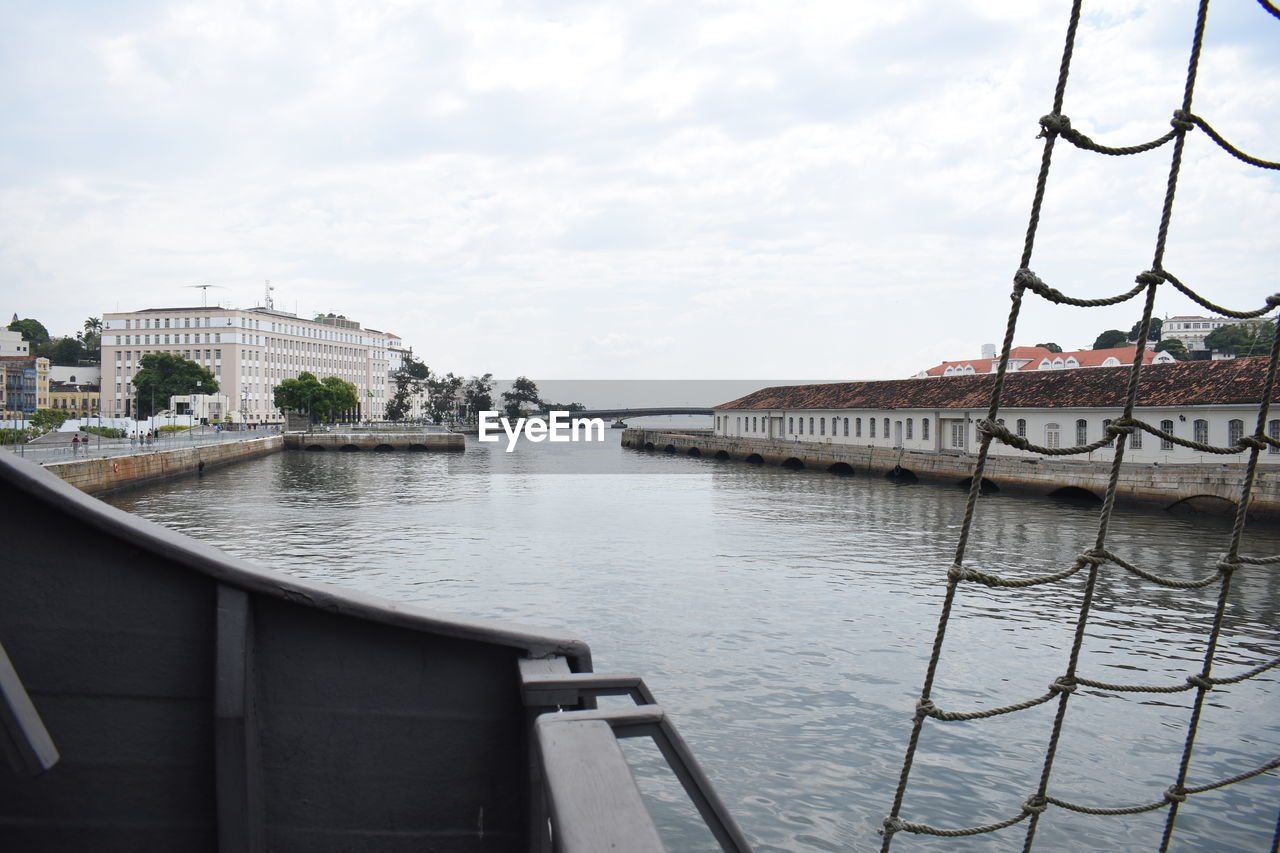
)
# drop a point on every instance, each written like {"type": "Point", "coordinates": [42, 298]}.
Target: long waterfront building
{"type": "Point", "coordinates": [249, 352]}
{"type": "Point", "coordinates": [1210, 402]}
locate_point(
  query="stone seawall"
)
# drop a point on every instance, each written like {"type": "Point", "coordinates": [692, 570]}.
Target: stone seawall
{"type": "Point", "coordinates": [96, 476]}
{"type": "Point", "coordinates": [1203, 488]}
{"type": "Point", "coordinates": [430, 442]}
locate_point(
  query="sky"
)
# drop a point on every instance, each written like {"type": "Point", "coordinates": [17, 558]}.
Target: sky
{"type": "Point", "coordinates": [656, 190]}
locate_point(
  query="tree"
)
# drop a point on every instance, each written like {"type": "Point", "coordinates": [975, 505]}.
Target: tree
{"type": "Point", "coordinates": [33, 332]}
{"type": "Point", "coordinates": [523, 390]}
{"type": "Point", "coordinates": [93, 338]}
{"type": "Point", "coordinates": [1243, 339]}
{"type": "Point", "coordinates": [1110, 338]}
{"type": "Point", "coordinates": [164, 375]}
{"type": "Point", "coordinates": [327, 399]}
{"type": "Point", "coordinates": [1051, 347]}
{"type": "Point", "coordinates": [1175, 348]}
{"type": "Point", "coordinates": [442, 393]}
{"type": "Point", "coordinates": [476, 397]}
{"type": "Point", "coordinates": [408, 380]}
{"type": "Point", "coordinates": [304, 394]}
{"type": "Point", "coordinates": [1152, 335]}
{"type": "Point", "coordinates": [341, 399]}
{"type": "Point", "coordinates": [47, 420]}
{"type": "Point", "coordinates": [63, 351]}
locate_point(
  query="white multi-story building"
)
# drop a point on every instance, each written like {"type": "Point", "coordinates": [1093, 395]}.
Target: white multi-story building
{"type": "Point", "coordinates": [249, 352]}
{"type": "Point", "coordinates": [12, 344]}
{"type": "Point", "coordinates": [1210, 402]}
{"type": "Point", "coordinates": [1193, 330]}
{"type": "Point", "coordinates": [396, 354]}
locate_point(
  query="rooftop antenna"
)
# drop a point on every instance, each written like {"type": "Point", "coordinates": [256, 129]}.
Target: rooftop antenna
{"type": "Point", "coordinates": [267, 301]}
{"type": "Point", "coordinates": [204, 293]}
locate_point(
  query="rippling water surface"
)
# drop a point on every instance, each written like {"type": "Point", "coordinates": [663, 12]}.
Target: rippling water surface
{"type": "Point", "coordinates": [784, 619]}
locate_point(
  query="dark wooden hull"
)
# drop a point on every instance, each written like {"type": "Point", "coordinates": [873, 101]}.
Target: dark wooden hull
{"type": "Point", "coordinates": [201, 703]}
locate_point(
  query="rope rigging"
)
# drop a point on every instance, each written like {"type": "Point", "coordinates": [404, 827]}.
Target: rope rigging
{"type": "Point", "coordinates": [1090, 564]}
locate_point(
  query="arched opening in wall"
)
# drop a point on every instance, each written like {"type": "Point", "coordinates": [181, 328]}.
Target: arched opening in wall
{"type": "Point", "coordinates": [318, 448]}
{"type": "Point", "coordinates": [793, 463]}
{"type": "Point", "coordinates": [755, 459]}
{"type": "Point", "coordinates": [417, 448]}
{"type": "Point", "coordinates": [898, 474]}
{"type": "Point", "coordinates": [1075, 494]}
{"type": "Point", "coordinates": [722, 454]}
{"type": "Point", "coordinates": [1204, 505]}
{"type": "Point", "coordinates": [844, 469]}
{"type": "Point", "coordinates": [349, 448]}
{"type": "Point", "coordinates": [670, 448]}
{"type": "Point", "coordinates": [384, 448]}
{"type": "Point", "coordinates": [648, 445]}
{"type": "Point", "coordinates": [693, 451]}
{"type": "Point", "coordinates": [986, 487]}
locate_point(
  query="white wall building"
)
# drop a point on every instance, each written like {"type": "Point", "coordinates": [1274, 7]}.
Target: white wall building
{"type": "Point", "coordinates": [1212, 402]}
{"type": "Point", "coordinates": [12, 344]}
{"type": "Point", "coordinates": [1193, 330]}
{"type": "Point", "coordinates": [248, 351]}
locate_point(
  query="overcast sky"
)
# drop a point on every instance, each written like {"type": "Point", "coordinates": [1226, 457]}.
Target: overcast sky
{"type": "Point", "coordinates": [626, 189]}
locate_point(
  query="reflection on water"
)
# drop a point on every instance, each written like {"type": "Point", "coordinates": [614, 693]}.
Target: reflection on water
{"type": "Point", "coordinates": [784, 619]}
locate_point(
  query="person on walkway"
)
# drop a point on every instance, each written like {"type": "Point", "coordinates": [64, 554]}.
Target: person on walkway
{"type": "Point", "coordinates": [75, 445]}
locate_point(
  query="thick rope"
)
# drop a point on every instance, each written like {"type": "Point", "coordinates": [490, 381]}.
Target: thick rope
{"type": "Point", "coordinates": [1098, 557]}
{"type": "Point", "coordinates": [1033, 221]}
{"type": "Point", "coordinates": [1174, 795]}
{"type": "Point", "coordinates": [1059, 125]}
{"type": "Point", "coordinates": [1224, 144]}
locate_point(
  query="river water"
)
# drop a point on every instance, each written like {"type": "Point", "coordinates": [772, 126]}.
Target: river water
{"type": "Point", "coordinates": [784, 620]}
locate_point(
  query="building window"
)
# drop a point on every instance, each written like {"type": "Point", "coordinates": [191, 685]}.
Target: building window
{"type": "Point", "coordinates": [1201, 431]}
{"type": "Point", "coordinates": [810, 426]}
{"type": "Point", "coordinates": [871, 424]}
{"type": "Point", "coordinates": [1166, 426]}
{"type": "Point", "coordinates": [957, 434]}
{"type": "Point", "coordinates": [801, 423]}
{"type": "Point", "coordinates": [791, 424]}
{"type": "Point", "coordinates": [1135, 439]}
{"type": "Point", "coordinates": [924, 429]}
{"type": "Point", "coordinates": [846, 427]}
{"type": "Point", "coordinates": [909, 429]}
{"type": "Point", "coordinates": [857, 427]}
{"type": "Point", "coordinates": [1273, 432]}
{"type": "Point", "coordinates": [737, 424]}
{"type": "Point", "coordinates": [886, 428]}
{"type": "Point", "coordinates": [1022, 427]}
{"type": "Point", "coordinates": [1235, 431]}
{"type": "Point", "coordinates": [1082, 432]}
{"type": "Point", "coordinates": [1052, 435]}
{"type": "Point", "coordinates": [822, 426]}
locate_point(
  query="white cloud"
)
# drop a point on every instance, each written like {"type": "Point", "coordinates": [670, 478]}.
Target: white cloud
{"type": "Point", "coordinates": [755, 189]}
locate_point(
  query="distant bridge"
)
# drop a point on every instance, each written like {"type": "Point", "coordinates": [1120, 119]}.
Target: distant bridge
{"type": "Point", "coordinates": [624, 414]}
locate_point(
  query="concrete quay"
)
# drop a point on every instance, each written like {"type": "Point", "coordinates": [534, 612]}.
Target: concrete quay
{"type": "Point", "coordinates": [350, 442]}
{"type": "Point", "coordinates": [1199, 488]}
{"type": "Point", "coordinates": [105, 474]}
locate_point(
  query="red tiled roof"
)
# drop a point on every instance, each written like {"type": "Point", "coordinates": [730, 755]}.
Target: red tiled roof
{"type": "Point", "coordinates": [1034, 355]}
{"type": "Point", "coordinates": [1184, 383]}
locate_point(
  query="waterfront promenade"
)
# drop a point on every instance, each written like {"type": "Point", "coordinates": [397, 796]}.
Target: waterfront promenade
{"type": "Point", "coordinates": [104, 448]}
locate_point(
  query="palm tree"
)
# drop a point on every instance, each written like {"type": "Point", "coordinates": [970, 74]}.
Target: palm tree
{"type": "Point", "coordinates": [92, 337]}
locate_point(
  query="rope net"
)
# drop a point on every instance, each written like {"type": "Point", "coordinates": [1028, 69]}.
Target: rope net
{"type": "Point", "coordinates": [1088, 566]}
